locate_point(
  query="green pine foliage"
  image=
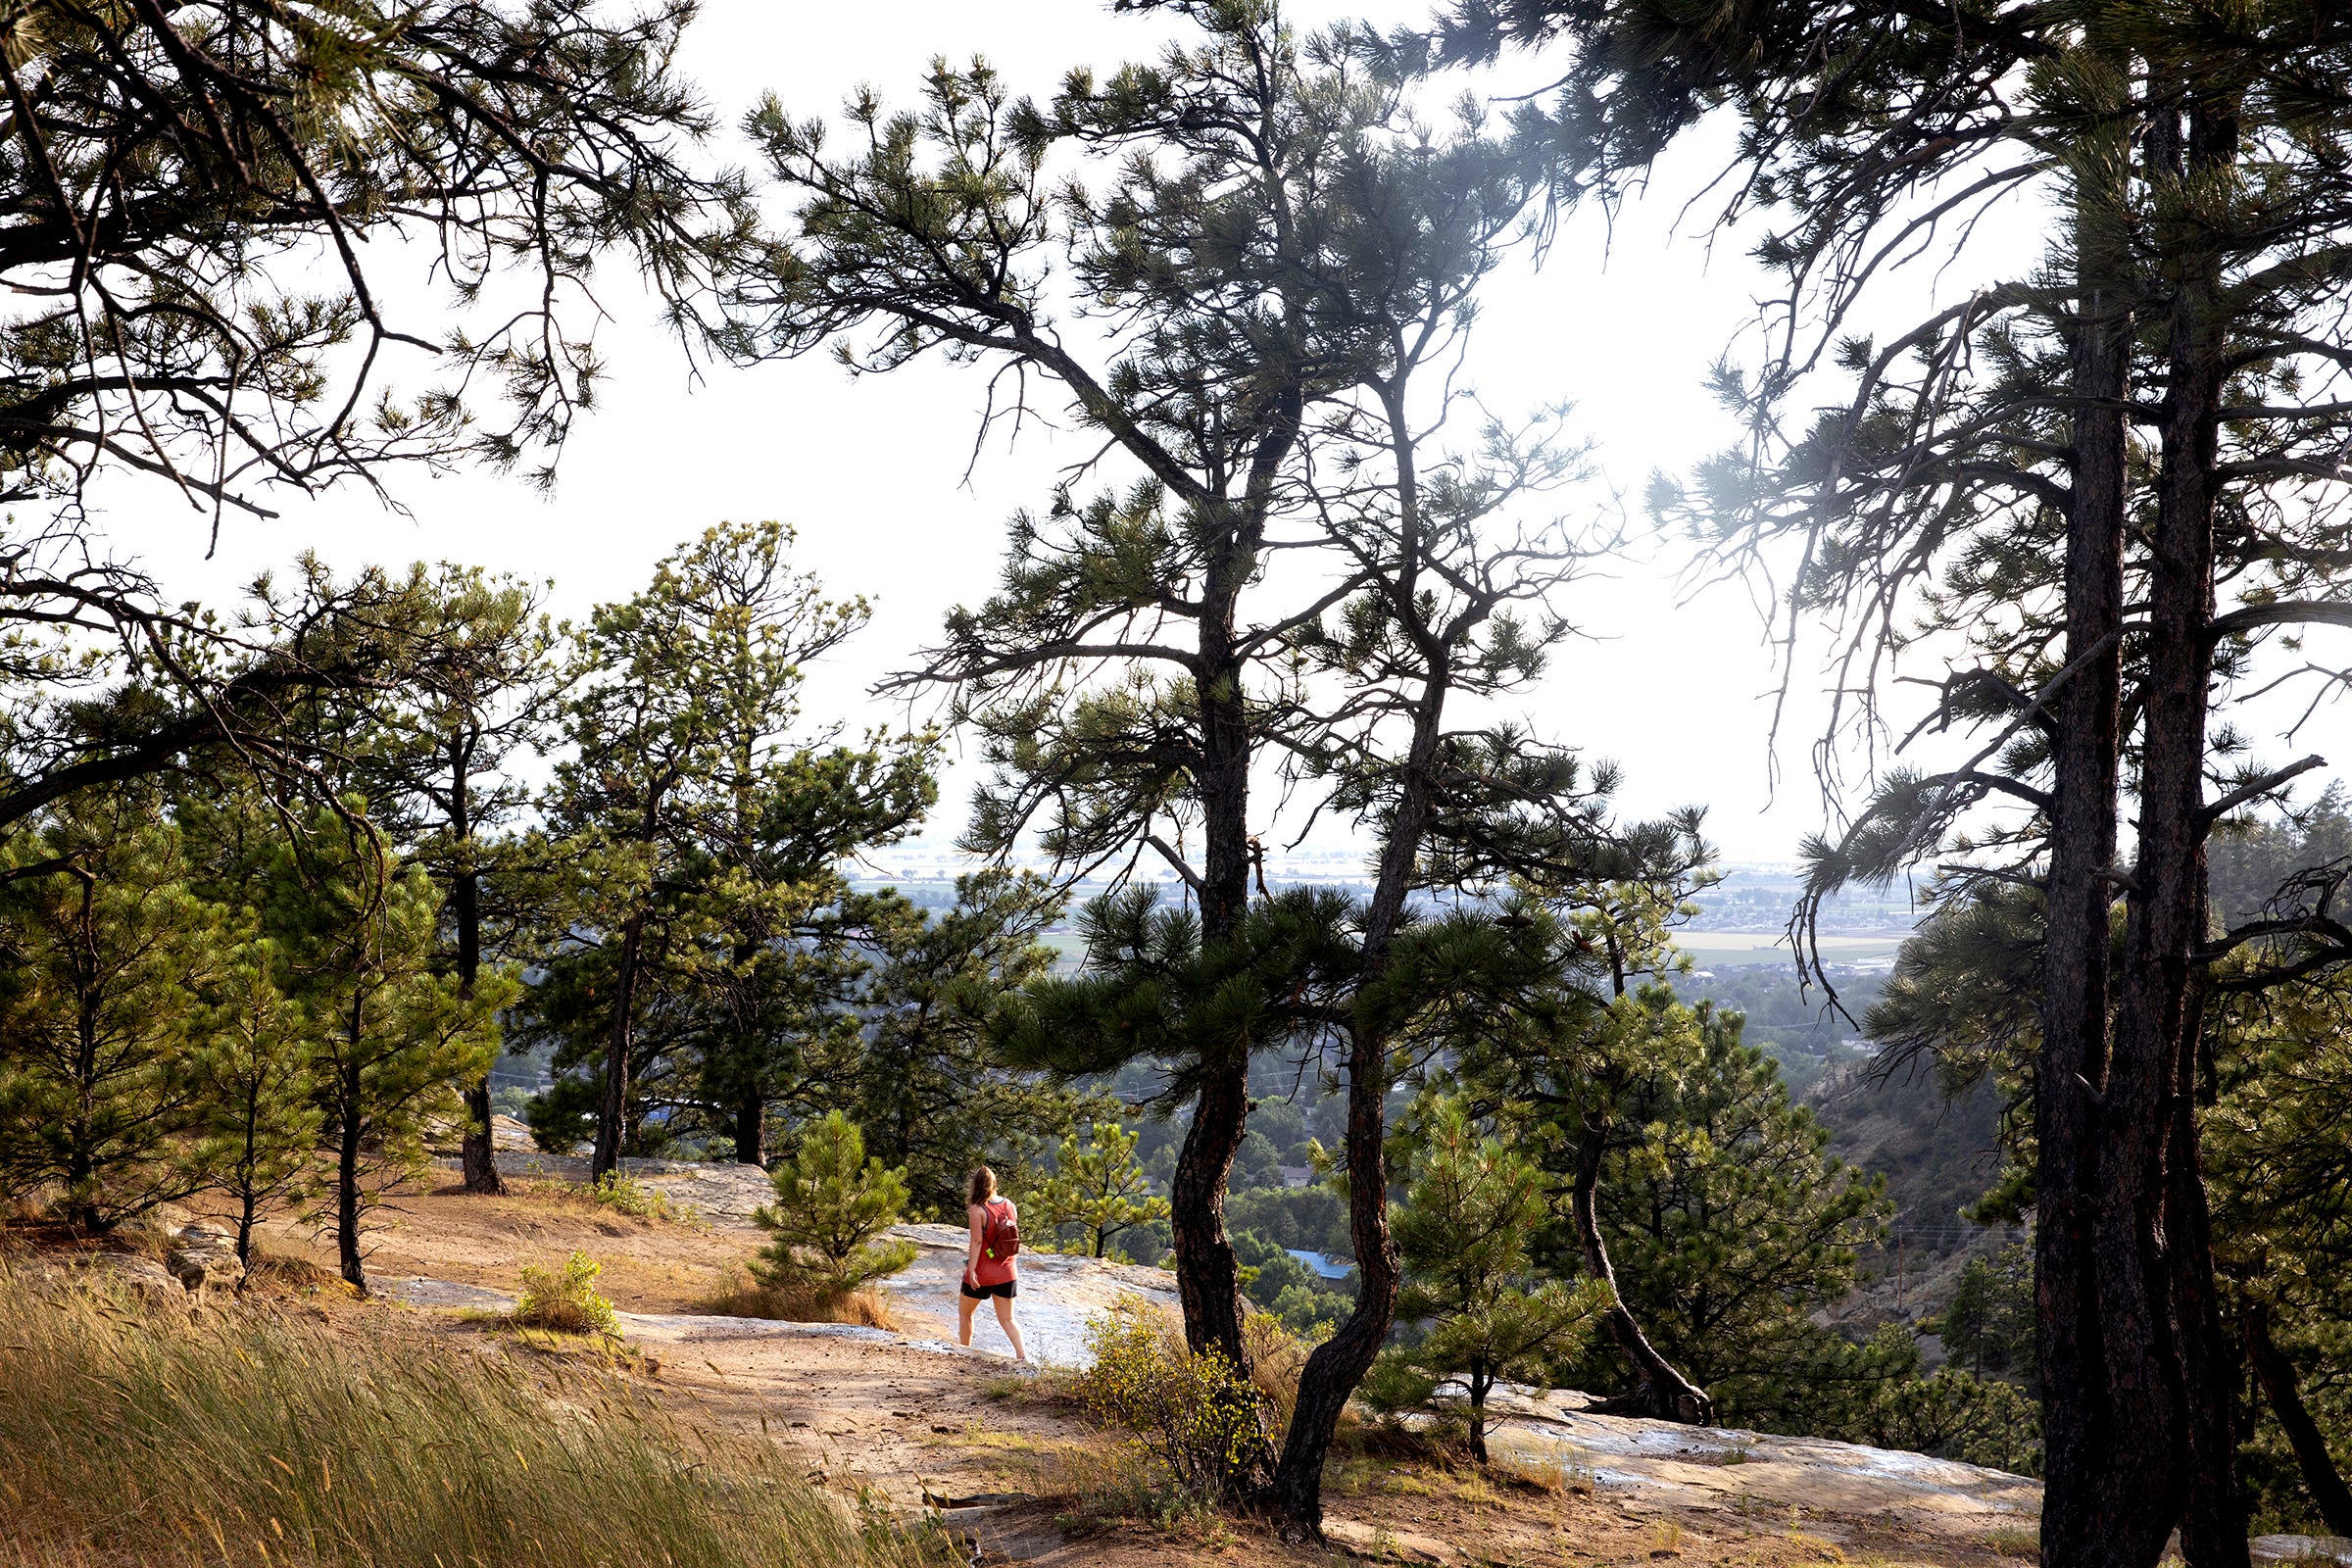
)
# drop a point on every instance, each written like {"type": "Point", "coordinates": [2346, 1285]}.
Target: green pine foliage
{"type": "Point", "coordinates": [254, 1076]}
{"type": "Point", "coordinates": [832, 1202]}
{"type": "Point", "coordinates": [1988, 1323]}
{"type": "Point", "coordinates": [1097, 1188]}
{"type": "Point", "coordinates": [103, 951]}
{"type": "Point", "coordinates": [1482, 1313]}
{"type": "Point", "coordinates": [916, 1066]}
{"type": "Point", "coordinates": [392, 1033]}
{"type": "Point", "coordinates": [1727, 1223]}
{"type": "Point", "coordinates": [2279, 1167]}
{"type": "Point", "coordinates": [698, 964]}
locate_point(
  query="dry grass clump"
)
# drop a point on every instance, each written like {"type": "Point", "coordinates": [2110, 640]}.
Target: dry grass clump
{"type": "Point", "coordinates": [740, 1295]}
{"type": "Point", "coordinates": [287, 1272]}
{"type": "Point", "coordinates": [248, 1438]}
{"type": "Point", "coordinates": [1557, 1475]}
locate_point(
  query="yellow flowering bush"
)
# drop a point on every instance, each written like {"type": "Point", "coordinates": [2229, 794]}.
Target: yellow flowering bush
{"type": "Point", "coordinates": [564, 1300]}
{"type": "Point", "coordinates": [1197, 1416]}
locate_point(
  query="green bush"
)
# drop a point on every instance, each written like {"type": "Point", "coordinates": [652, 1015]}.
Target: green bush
{"type": "Point", "coordinates": [564, 1300]}
{"type": "Point", "coordinates": [1196, 1414]}
{"type": "Point", "coordinates": [624, 1195]}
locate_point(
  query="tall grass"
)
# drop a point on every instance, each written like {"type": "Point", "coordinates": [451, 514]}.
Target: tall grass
{"type": "Point", "coordinates": [740, 1295]}
{"type": "Point", "coordinates": [249, 1439]}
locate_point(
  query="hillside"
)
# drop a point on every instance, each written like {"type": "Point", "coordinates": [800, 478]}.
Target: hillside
{"type": "Point", "coordinates": [907, 1417]}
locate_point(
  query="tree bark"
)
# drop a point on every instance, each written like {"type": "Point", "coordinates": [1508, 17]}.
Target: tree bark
{"type": "Point", "coordinates": [81, 1165]}
{"type": "Point", "coordinates": [1208, 1280]}
{"type": "Point", "coordinates": [2212, 1533]}
{"type": "Point", "coordinates": [1339, 1364]}
{"type": "Point", "coordinates": [477, 1152]}
{"type": "Point", "coordinates": [2277, 1374]}
{"type": "Point", "coordinates": [1480, 1385]}
{"type": "Point", "coordinates": [348, 1129]}
{"type": "Point", "coordinates": [614, 1108]}
{"type": "Point", "coordinates": [750, 1124]}
{"type": "Point", "coordinates": [2097, 1506]}
{"type": "Point", "coordinates": [2159, 1012]}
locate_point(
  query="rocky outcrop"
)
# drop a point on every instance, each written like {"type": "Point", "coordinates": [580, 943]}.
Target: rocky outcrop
{"type": "Point", "coordinates": [202, 1255]}
{"type": "Point", "coordinates": [139, 1276]}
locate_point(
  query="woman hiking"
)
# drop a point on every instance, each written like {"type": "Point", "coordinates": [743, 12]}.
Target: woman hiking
{"type": "Point", "coordinates": [989, 1269]}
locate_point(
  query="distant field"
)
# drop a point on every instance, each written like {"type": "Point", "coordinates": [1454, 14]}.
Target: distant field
{"type": "Point", "coordinates": [1710, 950]}
{"type": "Point", "coordinates": [1718, 950]}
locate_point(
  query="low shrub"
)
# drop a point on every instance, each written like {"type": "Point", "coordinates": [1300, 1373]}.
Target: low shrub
{"type": "Point", "coordinates": [246, 1437]}
{"type": "Point", "coordinates": [564, 1300]}
{"type": "Point", "coordinates": [624, 1195]}
{"type": "Point", "coordinates": [1197, 1415]}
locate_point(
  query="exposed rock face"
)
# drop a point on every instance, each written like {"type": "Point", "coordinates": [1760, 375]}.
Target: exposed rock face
{"type": "Point", "coordinates": [142, 1277]}
{"type": "Point", "coordinates": [201, 1254]}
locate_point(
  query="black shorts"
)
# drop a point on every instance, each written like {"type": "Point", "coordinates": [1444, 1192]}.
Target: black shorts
{"type": "Point", "coordinates": [981, 1293]}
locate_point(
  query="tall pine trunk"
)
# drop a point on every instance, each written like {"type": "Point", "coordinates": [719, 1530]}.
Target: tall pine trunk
{"type": "Point", "coordinates": [1208, 1278]}
{"type": "Point", "coordinates": [350, 1125]}
{"type": "Point", "coordinates": [612, 1107]}
{"type": "Point", "coordinates": [2159, 1014]}
{"type": "Point", "coordinates": [2326, 1484]}
{"type": "Point", "coordinates": [751, 1119]}
{"type": "Point", "coordinates": [2103, 1446]}
{"type": "Point", "coordinates": [477, 1152]}
{"type": "Point", "coordinates": [81, 1157]}
{"type": "Point", "coordinates": [1339, 1364]}
{"type": "Point", "coordinates": [620, 1040]}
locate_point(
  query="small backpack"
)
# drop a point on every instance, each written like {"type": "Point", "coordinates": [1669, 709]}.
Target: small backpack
{"type": "Point", "coordinates": [1001, 1236]}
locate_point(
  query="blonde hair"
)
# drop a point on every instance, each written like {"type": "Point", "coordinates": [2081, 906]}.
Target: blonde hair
{"type": "Point", "coordinates": [984, 1185]}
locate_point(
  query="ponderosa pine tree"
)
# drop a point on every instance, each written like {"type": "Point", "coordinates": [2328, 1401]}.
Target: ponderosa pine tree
{"type": "Point", "coordinates": [1097, 1186]}
{"type": "Point", "coordinates": [447, 766]}
{"type": "Point", "coordinates": [1122, 675]}
{"type": "Point", "coordinates": [706, 835]}
{"type": "Point", "coordinates": [1280, 252]}
{"type": "Point", "coordinates": [107, 954]}
{"type": "Point", "coordinates": [1727, 1223]}
{"type": "Point", "coordinates": [833, 1201]}
{"type": "Point", "coordinates": [251, 1066]}
{"type": "Point", "coordinates": [211, 208]}
{"type": "Point", "coordinates": [1588, 1031]}
{"type": "Point", "coordinates": [1981, 461]}
{"type": "Point", "coordinates": [359, 935]}
{"type": "Point", "coordinates": [1485, 1314]}
{"type": "Point", "coordinates": [916, 1068]}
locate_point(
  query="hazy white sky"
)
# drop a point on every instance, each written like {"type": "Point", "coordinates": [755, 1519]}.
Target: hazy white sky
{"type": "Point", "coordinates": [1624, 321]}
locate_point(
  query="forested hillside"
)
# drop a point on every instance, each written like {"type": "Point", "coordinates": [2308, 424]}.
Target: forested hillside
{"type": "Point", "coordinates": [2007, 1126]}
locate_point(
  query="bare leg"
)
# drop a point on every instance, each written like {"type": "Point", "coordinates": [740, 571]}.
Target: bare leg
{"type": "Point", "coordinates": [966, 1306]}
{"type": "Point", "coordinates": [1013, 1330]}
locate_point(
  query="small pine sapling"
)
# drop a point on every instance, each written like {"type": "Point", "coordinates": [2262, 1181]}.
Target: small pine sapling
{"type": "Point", "coordinates": [254, 1077]}
{"type": "Point", "coordinates": [1464, 1233]}
{"type": "Point", "coordinates": [831, 1202]}
{"type": "Point", "coordinates": [1098, 1187]}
